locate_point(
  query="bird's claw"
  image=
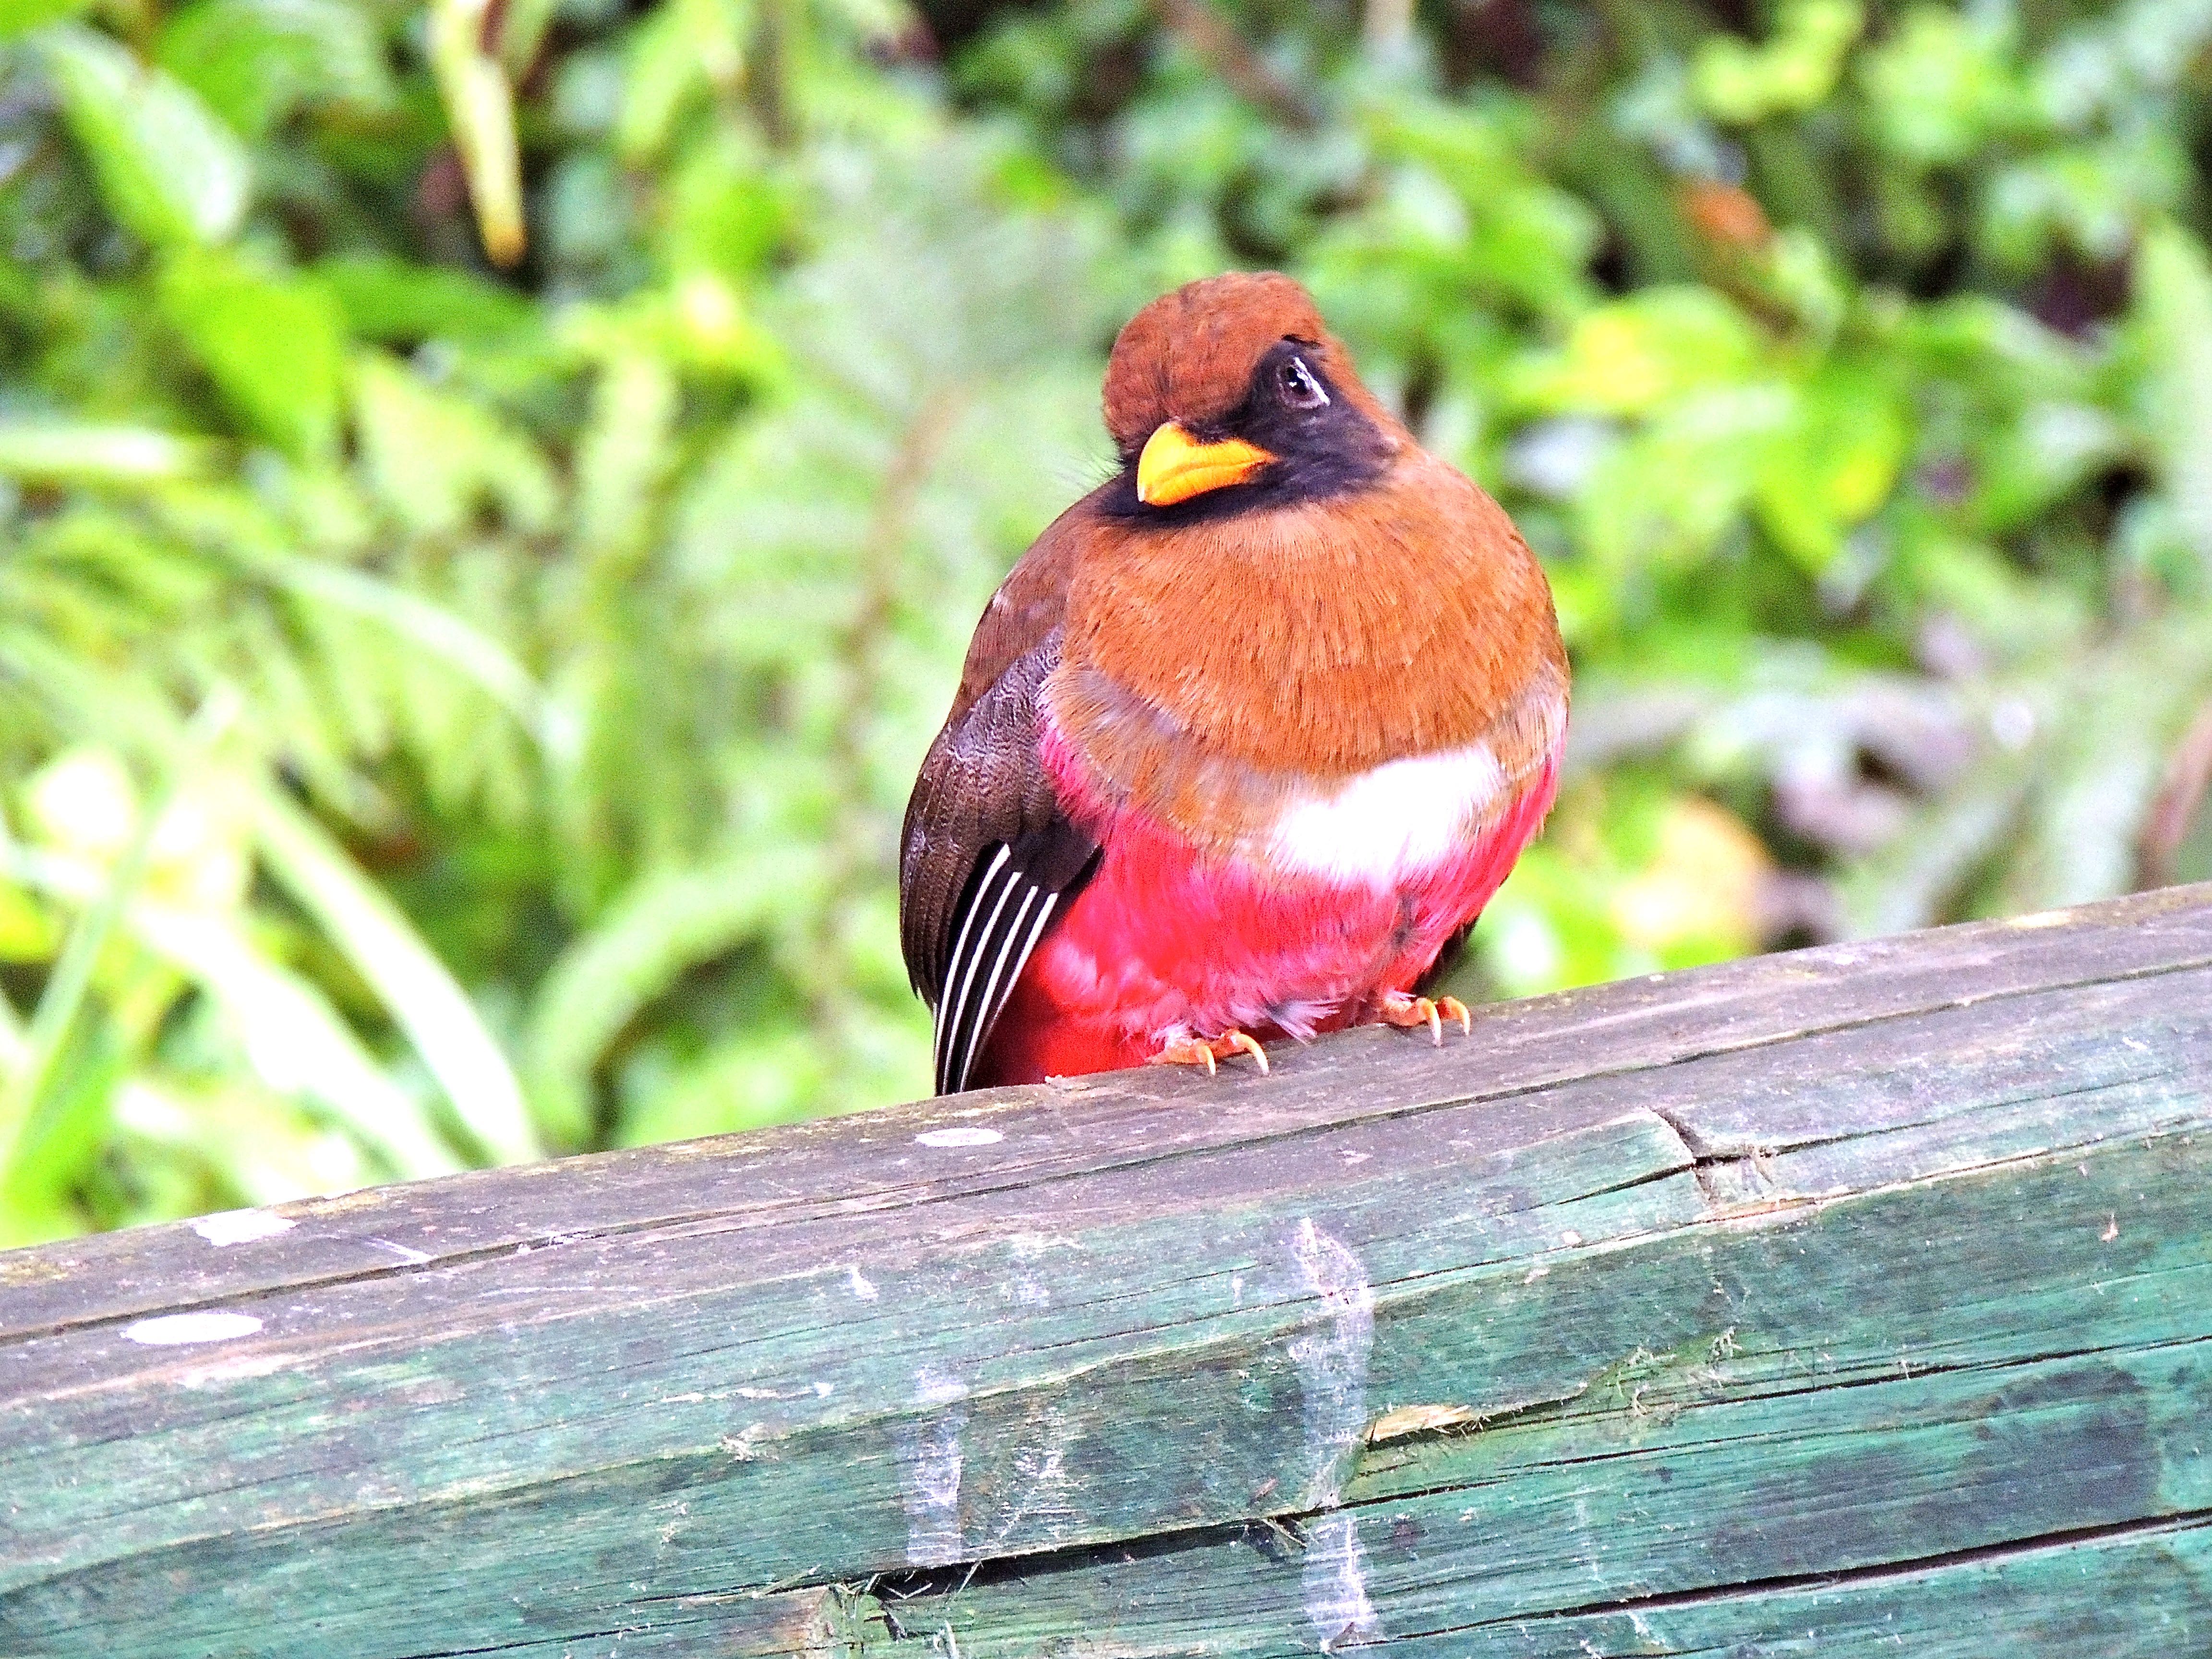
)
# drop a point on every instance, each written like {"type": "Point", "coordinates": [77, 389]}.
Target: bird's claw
{"type": "Point", "coordinates": [1250, 1045]}
{"type": "Point", "coordinates": [1403, 1009]}
{"type": "Point", "coordinates": [1204, 1051]}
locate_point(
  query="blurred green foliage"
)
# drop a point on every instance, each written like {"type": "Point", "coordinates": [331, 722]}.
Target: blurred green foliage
{"type": "Point", "coordinates": [494, 498]}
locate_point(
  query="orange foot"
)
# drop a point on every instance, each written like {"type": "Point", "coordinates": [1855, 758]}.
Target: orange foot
{"type": "Point", "coordinates": [1402, 1008]}
{"type": "Point", "coordinates": [1204, 1051]}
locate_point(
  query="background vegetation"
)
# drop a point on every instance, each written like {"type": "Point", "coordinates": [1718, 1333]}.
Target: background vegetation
{"type": "Point", "coordinates": [494, 497]}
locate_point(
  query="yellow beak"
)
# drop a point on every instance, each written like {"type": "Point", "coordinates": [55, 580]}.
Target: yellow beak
{"type": "Point", "coordinates": [1174, 466]}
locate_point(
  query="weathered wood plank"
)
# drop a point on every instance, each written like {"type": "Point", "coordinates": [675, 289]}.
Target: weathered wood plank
{"type": "Point", "coordinates": [1917, 1428]}
{"type": "Point", "coordinates": [840, 1167]}
{"type": "Point", "coordinates": [1891, 1273]}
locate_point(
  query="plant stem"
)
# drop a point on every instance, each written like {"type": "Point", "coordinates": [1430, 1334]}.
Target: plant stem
{"type": "Point", "coordinates": [1215, 42]}
{"type": "Point", "coordinates": [2188, 778]}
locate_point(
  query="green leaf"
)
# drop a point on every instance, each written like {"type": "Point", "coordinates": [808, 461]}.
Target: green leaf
{"type": "Point", "coordinates": [2030, 465]}
{"type": "Point", "coordinates": [294, 1039]}
{"type": "Point", "coordinates": [423, 626]}
{"type": "Point", "coordinates": [290, 1037]}
{"type": "Point", "coordinates": [1666, 496]}
{"type": "Point", "coordinates": [1794, 70]}
{"type": "Point", "coordinates": [1630, 356]}
{"type": "Point", "coordinates": [522, 26]}
{"type": "Point", "coordinates": [54, 451]}
{"type": "Point", "coordinates": [387, 952]}
{"type": "Point", "coordinates": [1943, 84]}
{"type": "Point", "coordinates": [275, 346]}
{"type": "Point", "coordinates": [2091, 198]}
{"type": "Point", "coordinates": [256, 1146]}
{"type": "Point", "coordinates": [1835, 466]}
{"type": "Point", "coordinates": [2105, 760]}
{"type": "Point", "coordinates": [168, 168]}
{"type": "Point", "coordinates": [255, 61]}
{"type": "Point", "coordinates": [433, 458]}
{"type": "Point", "coordinates": [54, 1154]}
{"type": "Point", "coordinates": [665, 923]}
{"type": "Point", "coordinates": [2172, 321]}
{"type": "Point", "coordinates": [401, 303]}
{"type": "Point", "coordinates": [36, 1215]}
{"type": "Point", "coordinates": [39, 1090]}
{"type": "Point", "coordinates": [681, 48]}
{"type": "Point", "coordinates": [625, 452]}
{"type": "Point", "coordinates": [28, 933]}
{"type": "Point", "coordinates": [762, 1078]}
{"type": "Point", "coordinates": [727, 209]}
{"type": "Point", "coordinates": [19, 17]}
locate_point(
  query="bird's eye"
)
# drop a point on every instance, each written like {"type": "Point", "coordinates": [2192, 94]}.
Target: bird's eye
{"type": "Point", "coordinates": [1296, 382]}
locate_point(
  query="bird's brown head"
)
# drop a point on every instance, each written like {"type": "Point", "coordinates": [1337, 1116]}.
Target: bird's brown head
{"type": "Point", "coordinates": [1230, 394]}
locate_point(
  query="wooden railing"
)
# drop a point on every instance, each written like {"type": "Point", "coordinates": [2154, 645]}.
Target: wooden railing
{"type": "Point", "coordinates": [1852, 1301]}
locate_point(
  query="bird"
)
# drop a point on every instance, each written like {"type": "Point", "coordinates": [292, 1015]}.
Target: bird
{"type": "Point", "coordinates": [1247, 740]}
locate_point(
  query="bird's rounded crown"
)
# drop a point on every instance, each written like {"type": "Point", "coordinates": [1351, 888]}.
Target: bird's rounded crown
{"type": "Point", "coordinates": [1189, 355]}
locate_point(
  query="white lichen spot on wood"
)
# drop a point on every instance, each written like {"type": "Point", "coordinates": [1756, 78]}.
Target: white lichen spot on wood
{"type": "Point", "coordinates": [1332, 1362]}
{"type": "Point", "coordinates": [1586, 1553]}
{"type": "Point", "coordinates": [746, 1445]}
{"type": "Point", "coordinates": [232, 1368]}
{"type": "Point", "coordinates": [859, 1283]}
{"type": "Point", "coordinates": [1021, 1285]}
{"type": "Point", "coordinates": [1042, 1508]}
{"type": "Point", "coordinates": [1334, 1582]}
{"type": "Point", "coordinates": [239, 1227]}
{"type": "Point", "coordinates": [174, 1330]}
{"type": "Point", "coordinates": [930, 1458]}
{"type": "Point", "coordinates": [1332, 1359]}
{"type": "Point", "coordinates": [964, 1134]}
{"type": "Point", "coordinates": [935, 1388]}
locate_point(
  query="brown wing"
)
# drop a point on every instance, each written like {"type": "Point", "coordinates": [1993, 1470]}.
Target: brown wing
{"type": "Point", "coordinates": [988, 860]}
{"type": "Point", "coordinates": [1029, 604]}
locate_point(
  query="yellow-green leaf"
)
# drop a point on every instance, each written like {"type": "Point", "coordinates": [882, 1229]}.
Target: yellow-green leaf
{"type": "Point", "coordinates": [168, 170]}
{"type": "Point", "coordinates": [274, 345]}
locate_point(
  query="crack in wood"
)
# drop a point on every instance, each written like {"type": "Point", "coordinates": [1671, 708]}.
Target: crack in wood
{"type": "Point", "coordinates": [937, 1590]}
{"type": "Point", "coordinates": [2179, 1520]}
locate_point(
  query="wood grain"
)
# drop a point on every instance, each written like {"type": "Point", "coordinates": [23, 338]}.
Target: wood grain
{"type": "Point", "coordinates": [1854, 1300]}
